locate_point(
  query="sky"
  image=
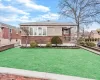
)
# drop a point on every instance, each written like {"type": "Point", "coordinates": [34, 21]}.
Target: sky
{"type": "Point", "coordinates": [14, 12]}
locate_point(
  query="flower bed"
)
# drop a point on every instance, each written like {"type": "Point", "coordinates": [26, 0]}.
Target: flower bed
{"type": "Point", "coordinates": [16, 77]}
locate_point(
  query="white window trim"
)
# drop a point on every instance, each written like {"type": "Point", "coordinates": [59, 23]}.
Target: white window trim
{"type": "Point", "coordinates": [37, 31]}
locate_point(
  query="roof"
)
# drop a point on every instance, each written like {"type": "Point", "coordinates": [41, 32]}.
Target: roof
{"type": "Point", "coordinates": [6, 25]}
{"type": "Point", "coordinates": [47, 23]}
{"type": "Point", "coordinates": [94, 31]}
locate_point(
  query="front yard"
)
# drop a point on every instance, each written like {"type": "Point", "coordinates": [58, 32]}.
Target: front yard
{"type": "Point", "coordinates": [73, 62]}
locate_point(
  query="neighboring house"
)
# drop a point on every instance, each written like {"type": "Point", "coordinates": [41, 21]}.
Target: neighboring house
{"type": "Point", "coordinates": [42, 32]}
{"type": "Point", "coordinates": [9, 34]}
{"type": "Point", "coordinates": [85, 34]}
{"type": "Point", "coordinates": [94, 34]}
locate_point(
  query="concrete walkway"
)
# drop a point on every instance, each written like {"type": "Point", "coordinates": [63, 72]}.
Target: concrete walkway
{"type": "Point", "coordinates": [36, 74]}
{"type": "Point", "coordinates": [96, 52]}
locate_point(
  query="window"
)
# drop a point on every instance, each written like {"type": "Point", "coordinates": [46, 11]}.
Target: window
{"type": "Point", "coordinates": [31, 31]}
{"type": "Point", "coordinates": [10, 30]}
{"type": "Point", "coordinates": [20, 32]}
{"type": "Point", "coordinates": [38, 31]}
{"type": "Point", "coordinates": [35, 30]}
{"type": "Point", "coordinates": [66, 31]}
{"type": "Point", "coordinates": [44, 31]}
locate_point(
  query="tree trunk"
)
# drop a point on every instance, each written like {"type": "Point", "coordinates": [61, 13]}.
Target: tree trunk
{"type": "Point", "coordinates": [26, 40]}
{"type": "Point", "coordinates": [78, 31]}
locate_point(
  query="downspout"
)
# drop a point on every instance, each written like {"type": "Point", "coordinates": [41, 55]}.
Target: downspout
{"type": "Point", "coordinates": [0, 35]}
{"type": "Point", "coordinates": [9, 36]}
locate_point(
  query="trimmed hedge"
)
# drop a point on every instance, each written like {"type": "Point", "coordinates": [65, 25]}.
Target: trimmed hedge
{"type": "Point", "coordinates": [92, 39]}
{"type": "Point", "coordinates": [33, 44]}
{"type": "Point", "coordinates": [90, 44]}
{"type": "Point", "coordinates": [48, 44]}
{"type": "Point", "coordinates": [56, 40]}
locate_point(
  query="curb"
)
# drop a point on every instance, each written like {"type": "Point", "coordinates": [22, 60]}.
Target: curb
{"type": "Point", "coordinates": [35, 74]}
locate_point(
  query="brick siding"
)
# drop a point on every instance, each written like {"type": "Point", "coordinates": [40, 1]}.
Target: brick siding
{"type": "Point", "coordinates": [38, 39]}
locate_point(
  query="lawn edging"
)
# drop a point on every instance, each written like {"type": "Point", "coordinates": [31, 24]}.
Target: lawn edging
{"type": "Point", "coordinates": [91, 50]}
{"type": "Point", "coordinates": [5, 47]}
{"type": "Point", "coordinates": [53, 47]}
{"type": "Point", "coordinates": [35, 74]}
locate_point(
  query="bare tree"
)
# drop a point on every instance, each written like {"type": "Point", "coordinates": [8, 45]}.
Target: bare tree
{"type": "Point", "coordinates": [81, 12]}
{"type": "Point", "coordinates": [27, 32]}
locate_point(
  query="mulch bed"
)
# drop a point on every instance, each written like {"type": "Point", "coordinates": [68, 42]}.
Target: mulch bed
{"type": "Point", "coordinates": [16, 77]}
{"type": "Point", "coordinates": [93, 48]}
{"type": "Point", "coordinates": [53, 47]}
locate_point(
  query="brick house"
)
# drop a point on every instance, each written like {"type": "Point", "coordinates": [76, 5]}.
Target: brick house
{"type": "Point", "coordinates": [42, 32]}
{"type": "Point", "coordinates": [9, 34]}
{"type": "Point", "coordinates": [94, 34]}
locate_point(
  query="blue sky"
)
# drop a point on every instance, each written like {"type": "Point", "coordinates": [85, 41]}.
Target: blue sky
{"type": "Point", "coordinates": [14, 12]}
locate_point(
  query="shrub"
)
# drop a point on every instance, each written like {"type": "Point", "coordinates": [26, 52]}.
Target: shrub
{"type": "Point", "coordinates": [33, 44]}
{"type": "Point", "coordinates": [93, 39]}
{"type": "Point", "coordinates": [80, 41]}
{"type": "Point", "coordinates": [90, 44]}
{"type": "Point", "coordinates": [56, 40]}
{"type": "Point", "coordinates": [83, 43]}
{"type": "Point", "coordinates": [48, 44]}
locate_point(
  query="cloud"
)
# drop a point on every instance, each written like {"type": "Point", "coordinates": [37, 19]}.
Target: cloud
{"type": "Point", "coordinates": [94, 26]}
{"type": "Point", "coordinates": [44, 17]}
{"type": "Point", "coordinates": [33, 5]}
{"type": "Point", "coordinates": [27, 18]}
{"type": "Point", "coordinates": [48, 16]}
{"type": "Point", "coordinates": [14, 18]}
{"type": "Point", "coordinates": [24, 1]}
{"type": "Point", "coordinates": [51, 16]}
{"type": "Point", "coordinates": [3, 19]}
{"type": "Point", "coordinates": [12, 9]}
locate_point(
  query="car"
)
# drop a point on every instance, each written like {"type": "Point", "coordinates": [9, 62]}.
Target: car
{"type": "Point", "coordinates": [98, 44]}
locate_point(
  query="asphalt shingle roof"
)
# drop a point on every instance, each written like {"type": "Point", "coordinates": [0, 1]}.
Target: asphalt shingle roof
{"type": "Point", "coordinates": [47, 23]}
{"type": "Point", "coordinates": [6, 25]}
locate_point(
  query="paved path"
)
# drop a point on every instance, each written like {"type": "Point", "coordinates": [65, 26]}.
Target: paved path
{"type": "Point", "coordinates": [96, 52]}
{"type": "Point", "coordinates": [36, 74]}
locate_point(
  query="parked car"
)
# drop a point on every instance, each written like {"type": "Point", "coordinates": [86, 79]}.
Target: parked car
{"type": "Point", "coordinates": [98, 44]}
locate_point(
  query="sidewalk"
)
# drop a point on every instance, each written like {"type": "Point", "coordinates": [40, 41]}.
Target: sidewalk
{"type": "Point", "coordinates": [36, 74]}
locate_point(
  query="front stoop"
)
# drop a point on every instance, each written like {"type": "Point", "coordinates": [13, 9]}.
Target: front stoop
{"type": "Point", "coordinates": [35, 74]}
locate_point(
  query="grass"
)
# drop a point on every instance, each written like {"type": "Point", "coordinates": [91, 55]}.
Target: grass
{"type": "Point", "coordinates": [73, 62]}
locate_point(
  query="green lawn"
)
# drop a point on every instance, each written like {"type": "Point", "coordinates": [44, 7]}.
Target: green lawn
{"type": "Point", "coordinates": [74, 62]}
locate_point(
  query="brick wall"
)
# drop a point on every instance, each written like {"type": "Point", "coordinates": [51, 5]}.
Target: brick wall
{"type": "Point", "coordinates": [38, 39]}
{"type": "Point", "coordinates": [5, 33]}
{"type": "Point", "coordinates": [13, 35]}
{"type": "Point", "coordinates": [2, 48]}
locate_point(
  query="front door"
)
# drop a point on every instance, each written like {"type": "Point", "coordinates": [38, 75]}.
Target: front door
{"type": "Point", "coordinates": [66, 35]}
